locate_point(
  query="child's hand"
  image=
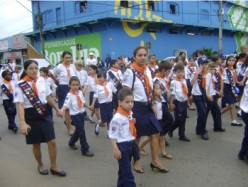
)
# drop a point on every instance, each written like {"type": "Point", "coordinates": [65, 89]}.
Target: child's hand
{"type": "Point", "coordinates": [59, 113]}
{"type": "Point", "coordinates": [171, 107]}
{"type": "Point", "coordinates": [209, 97]}
{"type": "Point", "coordinates": [117, 154]}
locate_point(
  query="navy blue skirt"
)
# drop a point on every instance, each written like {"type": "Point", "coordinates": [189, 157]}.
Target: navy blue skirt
{"type": "Point", "coordinates": [42, 129]}
{"type": "Point", "coordinates": [97, 105]}
{"type": "Point", "coordinates": [106, 111]}
{"type": "Point", "coordinates": [62, 91]}
{"type": "Point", "coordinates": [229, 97]}
{"type": "Point", "coordinates": [146, 122]}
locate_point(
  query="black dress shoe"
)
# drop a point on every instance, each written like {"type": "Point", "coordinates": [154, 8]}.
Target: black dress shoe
{"type": "Point", "coordinates": [73, 147]}
{"type": "Point", "coordinates": [219, 130]}
{"type": "Point", "coordinates": [163, 170]}
{"type": "Point", "coordinates": [241, 157]}
{"type": "Point", "coordinates": [170, 133]}
{"type": "Point", "coordinates": [88, 154]}
{"type": "Point", "coordinates": [15, 130]}
{"type": "Point", "coordinates": [185, 139]}
{"type": "Point", "coordinates": [204, 136]}
{"type": "Point", "coordinates": [58, 173]}
{"type": "Point", "coordinates": [44, 172]}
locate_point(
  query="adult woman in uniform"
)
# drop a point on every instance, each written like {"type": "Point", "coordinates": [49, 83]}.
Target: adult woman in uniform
{"type": "Point", "coordinates": [139, 79]}
{"type": "Point", "coordinates": [32, 96]}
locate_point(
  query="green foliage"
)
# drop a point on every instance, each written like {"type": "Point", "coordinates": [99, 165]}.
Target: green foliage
{"type": "Point", "coordinates": [208, 52]}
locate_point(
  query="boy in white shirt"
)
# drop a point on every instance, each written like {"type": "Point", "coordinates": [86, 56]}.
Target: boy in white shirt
{"type": "Point", "coordinates": [122, 134]}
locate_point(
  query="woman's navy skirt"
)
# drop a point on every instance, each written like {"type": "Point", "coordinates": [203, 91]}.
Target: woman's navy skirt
{"type": "Point", "coordinates": [146, 122]}
{"type": "Point", "coordinates": [229, 97]}
{"type": "Point", "coordinates": [42, 129]}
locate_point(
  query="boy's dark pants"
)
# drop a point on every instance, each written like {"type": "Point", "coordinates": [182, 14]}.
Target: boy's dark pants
{"type": "Point", "coordinates": [180, 115]}
{"type": "Point", "coordinates": [167, 118]}
{"type": "Point", "coordinates": [215, 111]}
{"type": "Point", "coordinates": [10, 110]}
{"type": "Point", "coordinates": [125, 175]}
{"type": "Point", "coordinates": [244, 146]}
{"type": "Point", "coordinates": [78, 122]}
{"type": "Point", "coordinates": [201, 114]}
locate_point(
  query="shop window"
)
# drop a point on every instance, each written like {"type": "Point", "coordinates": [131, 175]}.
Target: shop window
{"type": "Point", "coordinates": [47, 17]}
{"type": "Point", "coordinates": [83, 5]}
{"type": "Point", "coordinates": [173, 8]}
{"type": "Point", "coordinates": [58, 16]}
{"type": "Point", "coordinates": [204, 15]}
{"type": "Point", "coordinates": [174, 31]}
{"type": "Point", "coordinates": [150, 5]}
{"type": "Point", "coordinates": [124, 4]}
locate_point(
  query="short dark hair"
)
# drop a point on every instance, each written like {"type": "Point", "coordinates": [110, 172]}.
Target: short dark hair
{"type": "Point", "coordinates": [164, 64]}
{"type": "Point", "coordinates": [101, 74]}
{"type": "Point", "coordinates": [94, 67]}
{"type": "Point", "coordinates": [44, 69]}
{"type": "Point", "coordinates": [137, 49]}
{"type": "Point", "coordinates": [178, 67]}
{"type": "Point", "coordinates": [74, 78]}
{"type": "Point", "coordinates": [123, 93]}
{"type": "Point", "coordinates": [5, 72]}
{"type": "Point", "coordinates": [112, 62]}
{"type": "Point", "coordinates": [65, 53]}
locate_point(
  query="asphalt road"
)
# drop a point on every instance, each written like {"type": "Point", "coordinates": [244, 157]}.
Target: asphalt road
{"type": "Point", "coordinates": [200, 163]}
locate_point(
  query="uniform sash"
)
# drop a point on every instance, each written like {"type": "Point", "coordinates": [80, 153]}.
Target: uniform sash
{"type": "Point", "coordinates": [33, 98]}
{"type": "Point", "coordinates": [7, 92]}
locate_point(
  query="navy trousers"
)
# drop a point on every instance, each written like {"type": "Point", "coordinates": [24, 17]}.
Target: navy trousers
{"type": "Point", "coordinates": [125, 175]}
{"type": "Point", "coordinates": [168, 119]}
{"type": "Point", "coordinates": [180, 114]}
{"type": "Point", "coordinates": [10, 111]}
{"type": "Point", "coordinates": [78, 122]}
{"type": "Point", "coordinates": [215, 111]}
{"type": "Point", "coordinates": [201, 114]}
{"type": "Point", "coordinates": [244, 146]}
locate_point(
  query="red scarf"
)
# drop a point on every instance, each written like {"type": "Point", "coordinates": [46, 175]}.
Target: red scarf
{"type": "Point", "coordinates": [142, 69]}
{"type": "Point", "coordinates": [79, 101]}
{"type": "Point", "coordinates": [184, 87]}
{"type": "Point", "coordinates": [9, 85]}
{"type": "Point", "coordinates": [28, 79]}
{"type": "Point", "coordinates": [234, 74]}
{"type": "Point", "coordinates": [105, 88]}
{"type": "Point", "coordinates": [123, 112]}
{"type": "Point", "coordinates": [67, 69]}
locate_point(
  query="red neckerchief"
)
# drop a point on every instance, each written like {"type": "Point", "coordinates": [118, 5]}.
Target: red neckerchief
{"type": "Point", "coordinates": [127, 114]}
{"type": "Point", "coordinates": [79, 101]}
{"type": "Point", "coordinates": [142, 69]}
{"type": "Point", "coordinates": [28, 79]}
{"type": "Point", "coordinates": [184, 87]}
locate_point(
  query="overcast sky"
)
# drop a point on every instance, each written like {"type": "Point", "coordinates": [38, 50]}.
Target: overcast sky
{"type": "Point", "coordinates": [14, 18]}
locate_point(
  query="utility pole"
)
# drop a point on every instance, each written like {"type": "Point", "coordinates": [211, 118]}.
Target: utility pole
{"type": "Point", "coordinates": [221, 12]}
{"type": "Point", "coordinates": [40, 25]}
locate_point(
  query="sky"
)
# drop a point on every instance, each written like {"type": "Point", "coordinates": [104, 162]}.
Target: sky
{"type": "Point", "coordinates": [14, 18]}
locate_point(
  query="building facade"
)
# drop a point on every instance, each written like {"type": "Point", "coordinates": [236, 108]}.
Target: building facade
{"type": "Point", "coordinates": [115, 28]}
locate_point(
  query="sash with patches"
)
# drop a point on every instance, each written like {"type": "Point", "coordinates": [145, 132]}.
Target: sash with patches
{"type": "Point", "coordinates": [7, 92]}
{"type": "Point", "coordinates": [10, 68]}
{"type": "Point", "coordinates": [112, 76]}
{"type": "Point", "coordinates": [162, 87]}
{"type": "Point", "coordinates": [140, 75]}
{"type": "Point", "coordinates": [235, 89]}
{"type": "Point", "coordinates": [33, 98]}
{"type": "Point", "coordinates": [152, 72]}
{"type": "Point", "coordinates": [203, 91]}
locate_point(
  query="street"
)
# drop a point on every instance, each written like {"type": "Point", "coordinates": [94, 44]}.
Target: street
{"type": "Point", "coordinates": [199, 163]}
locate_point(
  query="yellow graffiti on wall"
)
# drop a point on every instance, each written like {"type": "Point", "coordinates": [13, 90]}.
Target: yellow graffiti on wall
{"type": "Point", "coordinates": [141, 6]}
